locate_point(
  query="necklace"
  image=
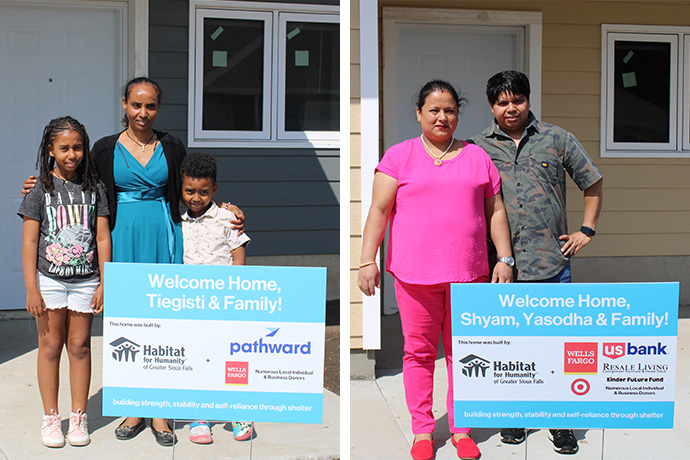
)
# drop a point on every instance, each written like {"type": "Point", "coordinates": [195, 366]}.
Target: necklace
{"type": "Point", "coordinates": [438, 161]}
{"type": "Point", "coordinates": [143, 146]}
{"type": "Point", "coordinates": [55, 173]}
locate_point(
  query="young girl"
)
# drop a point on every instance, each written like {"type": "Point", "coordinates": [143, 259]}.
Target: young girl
{"type": "Point", "coordinates": [66, 241]}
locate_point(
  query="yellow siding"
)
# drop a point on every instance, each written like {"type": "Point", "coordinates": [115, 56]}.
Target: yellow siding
{"type": "Point", "coordinates": [555, 81]}
{"type": "Point", "coordinates": [355, 225]}
{"type": "Point", "coordinates": [570, 59]}
{"type": "Point", "coordinates": [552, 105]}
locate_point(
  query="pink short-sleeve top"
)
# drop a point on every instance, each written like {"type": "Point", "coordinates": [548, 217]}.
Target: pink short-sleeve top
{"type": "Point", "coordinates": [438, 225]}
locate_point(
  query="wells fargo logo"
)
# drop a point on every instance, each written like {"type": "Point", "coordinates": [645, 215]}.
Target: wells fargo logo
{"type": "Point", "coordinates": [580, 357]}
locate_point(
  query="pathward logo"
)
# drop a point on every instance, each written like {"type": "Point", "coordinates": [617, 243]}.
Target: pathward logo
{"type": "Point", "coordinates": [124, 349]}
{"type": "Point", "coordinates": [474, 366]}
{"type": "Point", "coordinates": [268, 347]}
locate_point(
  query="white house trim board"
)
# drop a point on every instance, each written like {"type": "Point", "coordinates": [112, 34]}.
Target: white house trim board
{"type": "Point", "coordinates": [345, 215]}
{"type": "Point", "coordinates": [369, 109]}
{"type": "Point", "coordinates": [139, 50]}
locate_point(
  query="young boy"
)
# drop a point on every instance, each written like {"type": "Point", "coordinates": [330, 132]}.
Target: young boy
{"type": "Point", "coordinates": [208, 240]}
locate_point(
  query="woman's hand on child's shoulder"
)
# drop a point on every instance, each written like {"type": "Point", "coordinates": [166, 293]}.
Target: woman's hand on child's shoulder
{"type": "Point", "coordinates": [29, 183]}
{"type": "Point", "coordinates": [237, 224]}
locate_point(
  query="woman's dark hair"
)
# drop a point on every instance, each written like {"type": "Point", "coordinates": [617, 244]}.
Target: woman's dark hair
{"type": "Point", "coordinates": [86, 171]}
{"type": "Point", "coordinates": [199, 165]}
{"type": "Point", "coordinates": [438, 85]}
{"type": "Point", "coordinates": [508, 81]}
{"type": "Point", "coordinates": [135, 81]}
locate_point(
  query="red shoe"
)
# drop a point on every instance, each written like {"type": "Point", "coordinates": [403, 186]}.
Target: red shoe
{"type": "Point", "coordinates": [422, 450]}
{"type": "Point", "coordinates": [466, 447]}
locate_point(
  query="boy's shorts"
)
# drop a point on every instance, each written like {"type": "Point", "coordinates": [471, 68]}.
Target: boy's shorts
{"type": "Point", "coordinates": [60, 294]}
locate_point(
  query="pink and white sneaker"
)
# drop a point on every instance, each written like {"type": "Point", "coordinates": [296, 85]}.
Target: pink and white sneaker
{"type": "Point", "coordinates": [78, 432]}
{"type": "Point", "coordinates": [51, 432]}
{"type": "Point", "coordinates": [200, 432]}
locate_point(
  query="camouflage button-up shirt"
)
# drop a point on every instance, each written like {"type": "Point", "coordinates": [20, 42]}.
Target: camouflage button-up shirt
{"type": "Point", "coordinates": [533, 188]}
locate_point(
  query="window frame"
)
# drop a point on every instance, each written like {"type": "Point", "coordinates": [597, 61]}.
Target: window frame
{"type": "Point", "coordinates": [274, 84]}
{"type": "Point", "coordinates": [283, 19]}
{"type": "Point", "coordinates": [197, 115]}
{"type": "Point", "coordinates": [679, 85]}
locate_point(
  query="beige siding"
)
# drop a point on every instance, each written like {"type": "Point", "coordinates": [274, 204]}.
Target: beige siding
{"type": "Point", "coordinates": [646, 208]}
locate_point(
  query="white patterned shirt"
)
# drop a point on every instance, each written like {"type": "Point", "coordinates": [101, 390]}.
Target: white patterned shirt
{"type": "Point", "coordinates": [209, 239]}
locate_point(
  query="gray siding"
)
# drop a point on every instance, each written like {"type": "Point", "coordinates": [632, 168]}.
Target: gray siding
{"type": "Point", "coordinates": [290, 196]}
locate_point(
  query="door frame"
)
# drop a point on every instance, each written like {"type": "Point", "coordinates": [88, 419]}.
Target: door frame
{"type": "Point", "coordinates": [134, 30]}
{"type": "Point", "coordinates": [394, 17]}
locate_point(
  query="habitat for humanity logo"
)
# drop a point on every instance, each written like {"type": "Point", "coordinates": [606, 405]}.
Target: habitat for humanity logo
{"type": "Point", "coordinates": [124, 349]}
{"type": "Point", "coordinates": [474, 365]}
{"type": "Point", "coordinates": [270, 347]}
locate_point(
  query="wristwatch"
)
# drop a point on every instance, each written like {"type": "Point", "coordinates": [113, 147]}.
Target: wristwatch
{"type": "Point", "coordinates": [588, 231]}
{"type": "Point", "coordinates": [507, 260]}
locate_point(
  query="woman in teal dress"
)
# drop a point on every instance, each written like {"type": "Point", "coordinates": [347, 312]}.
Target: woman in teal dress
{"type": "Point", "coordinates": [140, 170]}
{"type": "Point", "coordinates": [144, 230]}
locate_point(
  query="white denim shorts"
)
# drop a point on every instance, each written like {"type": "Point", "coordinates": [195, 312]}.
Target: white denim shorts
{"type": "Point", "coordinates": [60, 294]}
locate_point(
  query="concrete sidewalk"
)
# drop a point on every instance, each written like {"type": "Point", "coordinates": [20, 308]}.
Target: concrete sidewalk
{"type": "Point", "coordinates": [21, 412]}
{"type": "Point", "coordinates": [380, 425]}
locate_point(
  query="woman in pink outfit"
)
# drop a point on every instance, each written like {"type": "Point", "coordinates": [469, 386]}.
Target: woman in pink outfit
{"type": "Point", "coordinates": [441, 196]}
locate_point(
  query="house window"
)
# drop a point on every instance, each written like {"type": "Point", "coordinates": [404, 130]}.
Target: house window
{"type": "Point", "coordinates": [645, 73]}
{"type": "Point", "coordinates": [264, 75]}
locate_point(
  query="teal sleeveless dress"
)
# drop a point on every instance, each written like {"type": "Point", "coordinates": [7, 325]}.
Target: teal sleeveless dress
{"type": "Point", "coordinates": [144, 230]}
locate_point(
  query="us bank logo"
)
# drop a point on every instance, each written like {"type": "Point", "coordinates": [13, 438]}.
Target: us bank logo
{"type": "Point", "coordinates": [474, 366]}
{"type": "Point", "coordinates": [615, 350]}
{"type": "Point", "coordinates": [124, 349]}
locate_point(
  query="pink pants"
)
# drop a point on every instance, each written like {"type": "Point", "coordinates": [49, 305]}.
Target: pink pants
{"type": "Point", "coordinates": [424, 314]}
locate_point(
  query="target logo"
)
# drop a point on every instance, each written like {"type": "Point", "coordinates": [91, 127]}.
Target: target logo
{"type": "Point", "coordinates": [580, 387]}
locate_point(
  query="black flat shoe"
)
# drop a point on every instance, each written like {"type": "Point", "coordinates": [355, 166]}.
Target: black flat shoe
{"type": "Point", "coordinates": [164, 438]}
{"type": "Point", "coordinates": [124, 433]}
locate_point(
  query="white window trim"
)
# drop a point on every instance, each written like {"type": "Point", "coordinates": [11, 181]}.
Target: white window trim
{"type": "Point", "coordinates": [283, 19]}
{"type": "Point", "coordinates": [195, 111]}
{"type": "Point", "coordinates": [194, 140]}
{"type": "Point", "coordinates": [679, 146]}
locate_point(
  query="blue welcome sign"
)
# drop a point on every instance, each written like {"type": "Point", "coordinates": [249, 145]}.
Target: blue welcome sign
{"type": "Point", "coordinates": [564, 355]}
{"type": "Point", "coordinates": [214, 342]}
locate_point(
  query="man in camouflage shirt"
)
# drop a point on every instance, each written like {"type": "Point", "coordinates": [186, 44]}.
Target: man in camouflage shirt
{"type": "Point", "coordinates": [532, 158]}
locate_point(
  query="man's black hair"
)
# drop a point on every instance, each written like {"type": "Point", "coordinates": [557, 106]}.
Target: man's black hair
{"type": "Point", "coordinates": [508, 81]}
